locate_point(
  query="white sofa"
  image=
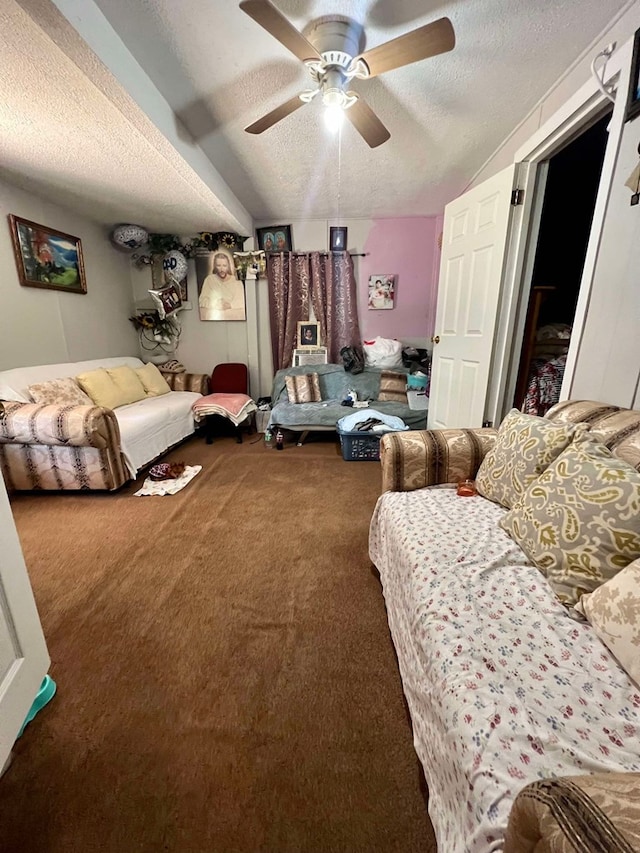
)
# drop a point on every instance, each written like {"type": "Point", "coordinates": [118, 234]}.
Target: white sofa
{"type": "Point", "coordinates": [510, 698]}
{"type": "Point", "coordinates": [88, 447]}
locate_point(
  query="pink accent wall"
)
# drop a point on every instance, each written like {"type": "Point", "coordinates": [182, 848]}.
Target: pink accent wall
{"type": "Point", "coordinates": [406, 248]}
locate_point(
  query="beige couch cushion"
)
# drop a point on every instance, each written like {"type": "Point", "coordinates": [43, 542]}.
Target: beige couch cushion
{"type": "Point", "coordinates": [579, 522]}
{"type": "Point", "coordinates": [618, 429]}
{"type": "Point", "coordinates": [100, 386]}
{"type": "Point", "coordinates": [128, 382]}
{"type": "Point", "coordinates": [525, 447]}
{"type": "Point", "coordinates": [155, 385]}
{"type": "Point", "coordinates": [61, 392]}
{"type": "Point", "coordinates": [304, 389]}
{"type": "Point", "coordinates": [393, 386]}
{"type": "Point", "coordinates": [614, 612]}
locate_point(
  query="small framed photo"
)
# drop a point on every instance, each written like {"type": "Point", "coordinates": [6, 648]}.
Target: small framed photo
{"type": "Point", "coordinates": [633, 98]}
{"type": "Point", "coordinates": [308, 335]}
{"type": "Point", "coordinates": [382, 292]}
{"type": "Point", "coordinates": [275, 238]}
{"type": "Point", "coordinates": [337, 239]}
{"type": "Point", "coordinates": [46, 257]}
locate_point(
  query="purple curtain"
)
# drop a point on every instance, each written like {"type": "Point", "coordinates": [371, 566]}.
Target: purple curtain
{"type": "Point", "coordinates": [334, 300]}
{"type": "Point", "coordinates": [288, 278]}
{"type": "Point", "coordinates": [328, 280]}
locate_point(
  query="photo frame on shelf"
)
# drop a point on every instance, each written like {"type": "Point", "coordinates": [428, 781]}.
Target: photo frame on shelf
{"type": "Point", "coordinates": [46, 257]}
{"type": "Point", "coordinates": [308, 335]}
{"type": "Point", "coordinates": [633, 98]}
{"type": "Point", "coordinates": [382, 290]}
{"type": "Point", "coordinates": [275, 238]}
{"type": "Point", "coordinates": [337, 239]}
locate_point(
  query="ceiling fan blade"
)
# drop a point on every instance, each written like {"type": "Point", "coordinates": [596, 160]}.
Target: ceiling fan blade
{"type": "Point", "coordinates": [275, 23]}
{"type": "Point", "coordinates": [275, 116]}
{"type": "Point", "coordinates": [367, 123]}
{"type": "Point", "coordinates": [429, 40]}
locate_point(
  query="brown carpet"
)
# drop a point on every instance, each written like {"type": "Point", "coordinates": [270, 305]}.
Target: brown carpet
{"type": "Point", "coordinates": [226, 680]}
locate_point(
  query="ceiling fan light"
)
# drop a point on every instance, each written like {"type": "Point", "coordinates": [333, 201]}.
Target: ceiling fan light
{"type": "Point", "coordinates": [333, 97]}
{"type": "Point", "coordinates": [333, 118]}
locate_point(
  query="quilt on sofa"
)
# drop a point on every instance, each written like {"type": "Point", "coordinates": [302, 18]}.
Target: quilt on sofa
{"type": "Point", "coordinates": [504, 688]}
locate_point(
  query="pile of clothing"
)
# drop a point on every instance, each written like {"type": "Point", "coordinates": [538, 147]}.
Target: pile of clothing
{"type": "Point", "coordinates": [370, 420]}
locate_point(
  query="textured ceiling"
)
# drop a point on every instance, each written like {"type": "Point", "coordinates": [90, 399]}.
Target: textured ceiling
{"type": "Point", "coordinates": [220, 71]}
{"type": "Point", "coordinates": [93, 147]}
{"type": "Point", "coordinates": [89, 147]}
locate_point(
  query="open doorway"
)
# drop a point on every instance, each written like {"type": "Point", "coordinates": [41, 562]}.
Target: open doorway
{"type": "Point", "coordinates": [572, 180]}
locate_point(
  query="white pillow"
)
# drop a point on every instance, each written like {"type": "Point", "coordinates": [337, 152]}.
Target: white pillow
{"type": "Point", "coordinates": [612, 611]}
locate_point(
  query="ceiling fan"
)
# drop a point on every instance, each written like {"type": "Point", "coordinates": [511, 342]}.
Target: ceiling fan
{"type": "Point", "coordinates": [333, 58]}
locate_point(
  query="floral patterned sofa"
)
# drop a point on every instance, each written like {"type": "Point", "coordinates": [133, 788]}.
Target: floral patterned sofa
{"type": "Point", "coordinates": [526, 717]}
{"type": "Point", "coordinates": [61, 446]}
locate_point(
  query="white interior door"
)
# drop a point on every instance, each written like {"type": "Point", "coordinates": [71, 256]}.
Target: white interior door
{"type": "Point", "coordinates": [24, 659]}
{"type": "Point", "coordinates": [476, 228]}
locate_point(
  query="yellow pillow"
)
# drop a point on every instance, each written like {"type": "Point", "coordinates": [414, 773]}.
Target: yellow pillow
{"type": "Point", "coordinates": [101, 388]}
{"type": "Point", "coordinates": [128, 382]}
{"type": "Point", "coordinates": [155, 385]}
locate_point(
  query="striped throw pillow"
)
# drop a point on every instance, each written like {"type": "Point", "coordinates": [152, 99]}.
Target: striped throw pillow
{"type": "Point", "coordinates": [393, 386]}
{"type": "Point", "coordinates": [303, 389]}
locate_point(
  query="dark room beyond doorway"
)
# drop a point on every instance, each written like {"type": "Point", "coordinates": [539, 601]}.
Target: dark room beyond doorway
{"type": "Point", "coordinates": [567, 212]}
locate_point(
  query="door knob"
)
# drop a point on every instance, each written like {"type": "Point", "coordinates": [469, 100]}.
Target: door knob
{"type": "Point", "coordinates": [435, 340]}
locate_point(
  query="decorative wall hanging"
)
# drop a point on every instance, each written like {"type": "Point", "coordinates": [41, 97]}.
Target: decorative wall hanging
{"type": "Point", "coordinates": [275, 238]}
{"type": "Point", "coordinates": [129, 238]}
{"type": "Point", "coordinates": [161, 244]}
{"type": "Point", "coordinates": [256, 261]}
{"type": "Point", "coordinates": [167, 300]}
{"type": "Point", "coordinates": [174, 265]}
{"type": "Point", "coordinates": [174, 271]}
{"type": "Point", "coordinates": [220, 291]}
{"type": "Point", "coordinates": [158, 336]}
{"type": "Point", "coordinates": [381, 292]}
{"type": "Point", "coordinates": [47, 258]}
{"type": "Point", "coordinates": [337, 239]}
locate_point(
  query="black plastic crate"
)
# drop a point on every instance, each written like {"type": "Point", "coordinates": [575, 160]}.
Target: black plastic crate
{"type": "Point", "coordinates": [360, 446]}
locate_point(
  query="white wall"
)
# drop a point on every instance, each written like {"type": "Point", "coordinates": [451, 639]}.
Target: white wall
{"type": "Point", "coordinates": [607, 366]}
{"type": "Point", "coordinates": [406, 247]}
{"type": "Point", "coordinates": [40, 326]}
{"type": "Point", "coordinates": [403, 247]}
{"type": "Point", "coordinates": [620, 30]}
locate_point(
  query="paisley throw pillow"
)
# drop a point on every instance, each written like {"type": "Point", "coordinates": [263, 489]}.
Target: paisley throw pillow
{"type": "Point", "coordinates": [579, 522]}
{"type": "Point", "coordinates": [525, 447]}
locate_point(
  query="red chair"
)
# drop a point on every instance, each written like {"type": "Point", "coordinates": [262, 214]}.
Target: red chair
{"type": "Point", "coordinates": [230, 378]}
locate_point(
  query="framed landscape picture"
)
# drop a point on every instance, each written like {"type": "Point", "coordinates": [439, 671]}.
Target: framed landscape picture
{"type": "Point", "coordinates": [47, 258]}
{"type": "Point", "coordinates": [274, 238]}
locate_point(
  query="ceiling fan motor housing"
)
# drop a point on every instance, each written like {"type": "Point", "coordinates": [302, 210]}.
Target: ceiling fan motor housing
{"type": "Point", "coordinates": [337, 39]}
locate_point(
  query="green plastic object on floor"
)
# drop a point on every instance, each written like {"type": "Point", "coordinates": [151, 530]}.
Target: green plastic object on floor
{"type": "Point", "coordinates": [45, 694]}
